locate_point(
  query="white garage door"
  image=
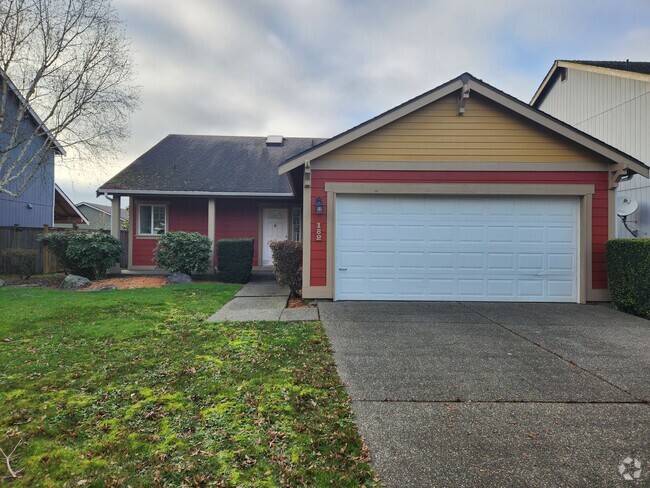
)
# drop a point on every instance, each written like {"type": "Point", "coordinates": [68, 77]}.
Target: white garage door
{"type": "Point", "coordinates": [456, 248]}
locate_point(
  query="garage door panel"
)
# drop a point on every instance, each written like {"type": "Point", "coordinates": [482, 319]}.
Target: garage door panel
{"type": "Point", "coordinates": [501, 288]}
{"type": "Point", "coordinates": [442, 288]}
{"type": "Point", "coordinates": [561, 235]}
{"type": "Point", "coordinates": [559, 288]}
{"type": "Point", "coordinates": [561, 262]}
{"type": "Point", "coordinates": [470, 233]}
{"type": "Point", "coordinates": [497, 234]}
{"type": "Point", "coordinates": [530, 288]}
{"type": "Point", "coordinates": [442, 260]}
{"type": "Point", "coordinates": [441, 233]}
{"type": "Point", "coordinates": [470, 260]}
{"type": "Point", "coordinates": [443, 248]}
{"type": "Point", "coordinates": [500, 261]}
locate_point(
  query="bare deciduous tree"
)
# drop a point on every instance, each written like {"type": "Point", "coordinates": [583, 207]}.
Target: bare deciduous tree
{"type": "Point", "coordinates": [72, 64]}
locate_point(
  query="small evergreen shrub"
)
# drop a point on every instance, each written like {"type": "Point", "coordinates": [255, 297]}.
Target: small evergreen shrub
{"type": "Point", "coordinates": [235, 259]}
{"type": "Point", "coordinates": [83, 253]}
{"type": "Point", "coordinates": [183, 252]}
{"type": "Point", "coordinates": [91, 254]}
{"type": "Point", "coordinates": [57, 243]}
{"type": "Point", "coordinates": [287, 264]}
{"type": "Point", "coordinates": [21, 261]}
{"type": "Point", "coordinates": [628, 272]}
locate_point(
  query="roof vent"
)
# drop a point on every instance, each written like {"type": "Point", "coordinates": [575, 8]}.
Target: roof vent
{"type": "Point", "coordinates": [274, 140]}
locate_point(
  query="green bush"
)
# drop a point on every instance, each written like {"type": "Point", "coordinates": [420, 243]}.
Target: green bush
{"type": "Point", "coordinates": [235, 259]}
{"type": "Point", "coordinates": [57, 243]}
{"type": "Point", "coordinates": [287, 264]}
{"type": "Point", "coordinates": [87, 254]}
{"type": "Point", "coordinates": [92, 253]}
{"type": "Point", "coordinates": [21, 261]}
{"type": "Point", "coordinates": [183, 252]}
{"type": "Point", "coordinates": [628, 271]}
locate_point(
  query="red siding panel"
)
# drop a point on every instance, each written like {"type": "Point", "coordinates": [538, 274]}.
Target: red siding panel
{"type": "Point", "coordinates": [189, 215]}
{"type": "Point", "coordinates": [599, 201]}
{"type": "Point", "coordinates": [238, 218]}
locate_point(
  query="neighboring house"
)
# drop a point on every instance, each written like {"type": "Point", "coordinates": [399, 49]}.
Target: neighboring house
{"type": "Point", "coordinates": [462, 193]}
{"type": "Point", "coordinates": [98, 216]}
{"type": "Point", "coordinates": [41, 202]}
{"type": "Point", "coordinates": [611, 101]}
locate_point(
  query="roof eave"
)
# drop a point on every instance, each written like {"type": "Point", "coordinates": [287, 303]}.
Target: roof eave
{"type": "Point", "coordinates": [542, 87]}
{"type": "Point", "coordinates": [621, 73]}
{"type": "Point", "coordinates": [117, 191]}
{"type": "Point", "coordinates": [58, 148]}
{"type": "Point", "coordinates": [73, 207]}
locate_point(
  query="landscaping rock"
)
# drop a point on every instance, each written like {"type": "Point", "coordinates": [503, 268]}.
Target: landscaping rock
{"type": "Point", "coordinates": [2, 283]}
{"type": "Point", "coordinates": [71, 282]}
{"type": "Point", "coordinates": [104, 288]}
{"type": "Point", "coordinates": [178, 279]}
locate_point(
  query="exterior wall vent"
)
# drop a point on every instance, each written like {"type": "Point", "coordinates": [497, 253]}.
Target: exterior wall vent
{"type": "Point", "coordinates": [274, 140]}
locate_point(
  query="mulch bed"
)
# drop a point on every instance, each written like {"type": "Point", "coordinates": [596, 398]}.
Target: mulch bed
{"type": "Point", "coordinates": [299, 303]}
{"type": "Point", "coordinates": [54, 281]}
{"type": "Point", "coordinates": [129, 282]}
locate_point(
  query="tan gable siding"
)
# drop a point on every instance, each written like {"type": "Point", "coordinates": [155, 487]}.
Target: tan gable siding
{"type": "Point", "coordinates": [486, 133]}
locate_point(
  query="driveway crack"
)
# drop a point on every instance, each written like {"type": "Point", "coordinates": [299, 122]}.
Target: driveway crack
{"type": "Point", "coordinates": [560, 356]}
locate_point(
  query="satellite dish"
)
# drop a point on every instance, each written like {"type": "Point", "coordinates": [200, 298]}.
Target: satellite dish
{"type": "Point", "coordinates": [626, 206]}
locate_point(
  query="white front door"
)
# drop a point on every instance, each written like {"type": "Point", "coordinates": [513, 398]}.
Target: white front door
{"type": "Point", "coordinates": [522, 249]}
{"type": "Point", "coordinates": [275, 227]}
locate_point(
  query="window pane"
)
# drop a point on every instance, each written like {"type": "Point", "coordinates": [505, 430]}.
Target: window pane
{"type": "Point", "coordinates": [295, 224]}
{"type": "Point", "coordinates": [145, 219]}
{"type": "Point", "coordinates": [159, 219]}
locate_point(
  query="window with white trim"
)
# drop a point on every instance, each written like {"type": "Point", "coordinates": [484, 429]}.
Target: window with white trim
{"type": "Point", "coordinates": [152, 220]}
{"type": "Point", "coordinates": [296, 223]}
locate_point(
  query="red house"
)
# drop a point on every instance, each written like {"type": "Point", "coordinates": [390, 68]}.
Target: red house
{"type": "Point", "coordinates": [462, 193]}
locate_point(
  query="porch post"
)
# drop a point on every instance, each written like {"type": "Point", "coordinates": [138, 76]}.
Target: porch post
{"type": "Point", "coordinates": [115, 225]}
{"type": "Point", "coordinates": [115, 217]}
{"type": "Point", "coordinates": [211, 227]}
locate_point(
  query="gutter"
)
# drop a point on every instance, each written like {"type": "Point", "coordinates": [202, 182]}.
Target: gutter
{"type": "Point", "coordinates": [107, 191]}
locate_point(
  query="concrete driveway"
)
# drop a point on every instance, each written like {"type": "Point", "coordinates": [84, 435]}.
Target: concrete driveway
{"type": "Point", "coordinates": [480, 394]}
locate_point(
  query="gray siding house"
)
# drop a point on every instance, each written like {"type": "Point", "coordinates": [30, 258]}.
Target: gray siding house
{"type": "Point", "coordinates": [609, 100]}
{"type": "Point", "coordinates": [38, 197]}
{"type": "Point", "coordinates": [98, 216]}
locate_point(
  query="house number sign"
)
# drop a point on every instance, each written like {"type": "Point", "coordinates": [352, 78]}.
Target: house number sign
{"type": "Point", "coordinates": [319, 232]}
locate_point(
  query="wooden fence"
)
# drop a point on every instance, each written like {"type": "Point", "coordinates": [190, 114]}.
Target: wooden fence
{"type": "Point", "coordinates": [27, 238]}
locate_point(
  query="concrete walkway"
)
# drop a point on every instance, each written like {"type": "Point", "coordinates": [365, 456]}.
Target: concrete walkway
{"type": "Point", "coordinates": [262, 299]}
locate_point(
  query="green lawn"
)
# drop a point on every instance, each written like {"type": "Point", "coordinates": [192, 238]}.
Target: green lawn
{"type": "Point", "coordinates": [133, 388]}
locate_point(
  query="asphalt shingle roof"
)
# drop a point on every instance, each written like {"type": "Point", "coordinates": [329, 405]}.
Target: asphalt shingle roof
{"type": "Point", "coordinates": [632, 66]}
{"type": "Point", "coordinates": [211, 164]}
{"type": "Point", "coordinates": [124, 214]}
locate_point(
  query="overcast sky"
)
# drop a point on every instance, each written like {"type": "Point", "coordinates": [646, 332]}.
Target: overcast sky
{"type": "Point", "coordinates": [314, 68]}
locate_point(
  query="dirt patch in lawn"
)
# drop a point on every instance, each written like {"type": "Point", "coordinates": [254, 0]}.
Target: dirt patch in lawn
{"type": "Point", "coordinates": [129, 282]}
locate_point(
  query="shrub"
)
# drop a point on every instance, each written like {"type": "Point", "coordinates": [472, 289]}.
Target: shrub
{"type": "Point", "coordinates": [57, 243]}
{"type": "Point", "coordinates": [628, 271]}
{"type": "Point", "coordinates": [235, 259]}
{"type": "Point", "coordinates": [287, 264]}
{"type": "Point", "coordinates": [87, 254]}
{"type": "Point", "coordinates": [90, 254]}
{"type": "Point", "coordinates": [21, 261]}
{"type": "Point", "coordinates": [183, 252]}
